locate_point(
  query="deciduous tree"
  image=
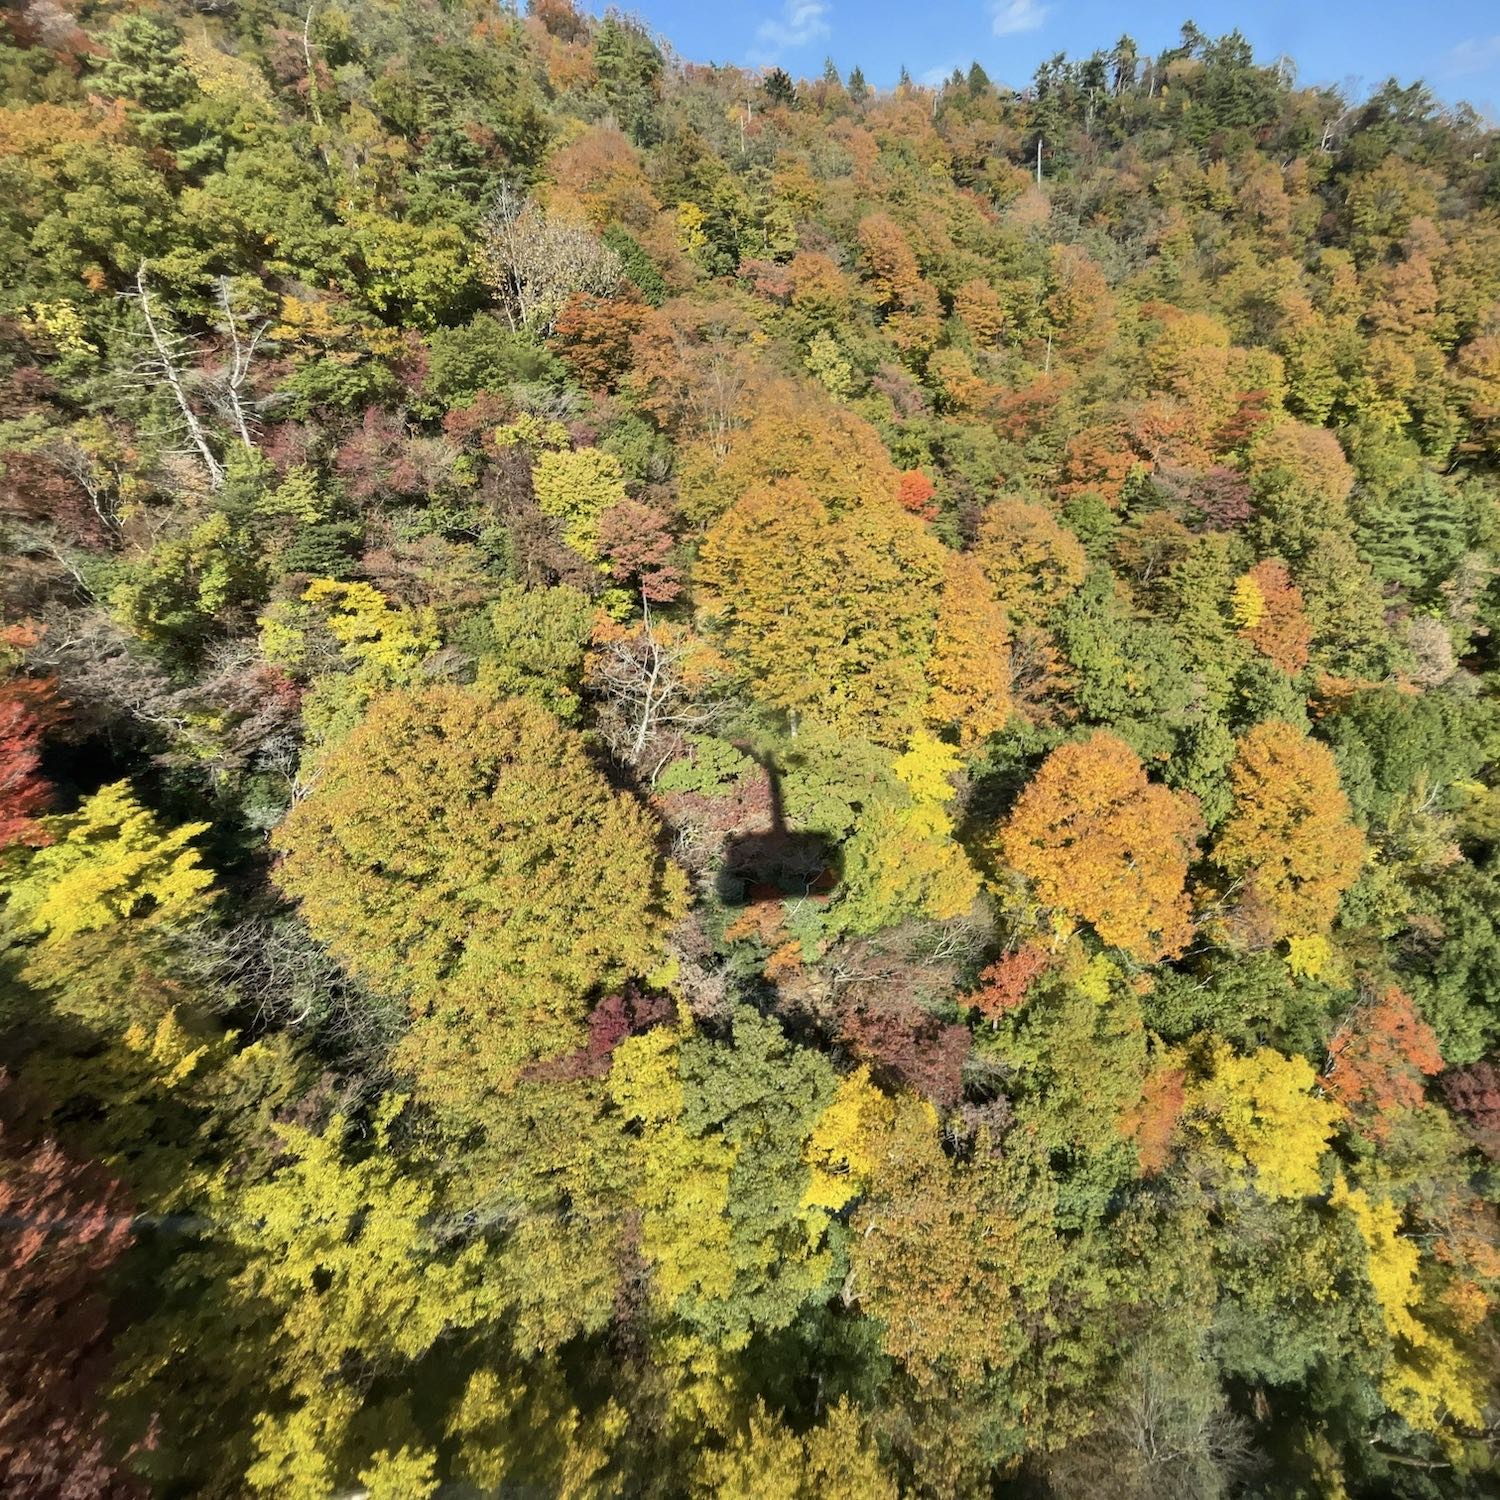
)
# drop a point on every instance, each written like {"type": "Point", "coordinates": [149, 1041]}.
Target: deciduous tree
{"type": "Point", "coordinates": [1097, 840]}
{"type": "Point", "coordinates": [830, 609]}
{"type": "Point", "coordinates": [969, 669]}
{"type": "Point", "coordinates": [464, 853]}
{"type": "Point", "coordinates": [1288, 836]}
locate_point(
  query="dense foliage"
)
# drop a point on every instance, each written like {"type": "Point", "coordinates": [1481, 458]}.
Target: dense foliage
{"type": "Point", "coordinates": [714, 786]}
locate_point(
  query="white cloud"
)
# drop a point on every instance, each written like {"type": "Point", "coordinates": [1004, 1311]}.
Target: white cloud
{"type": "Point", "coordinates": [1476, 55]}
{"type": "Point", "coordinates": [800, 22]}
{"type": "Point", "coordinates": [936, 77]}
{"type": "Point", "coordinates": [1013, 16]}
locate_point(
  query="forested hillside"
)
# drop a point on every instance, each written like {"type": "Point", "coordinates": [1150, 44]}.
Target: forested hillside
{"type": "Point", "coordinates": [723, 787]}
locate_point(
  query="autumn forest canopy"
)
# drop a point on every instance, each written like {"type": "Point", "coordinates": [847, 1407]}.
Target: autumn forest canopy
{"type": "Point", "coordinates": [723, 786]}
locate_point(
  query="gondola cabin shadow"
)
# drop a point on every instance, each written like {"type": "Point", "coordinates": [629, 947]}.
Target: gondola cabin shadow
{"type": "Point", "coordinates": [779, 862]}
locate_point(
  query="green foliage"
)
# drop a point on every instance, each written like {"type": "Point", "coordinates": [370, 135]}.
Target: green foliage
{"type": "Point", "coordinates": [484, 355]}
{"type": "Point", "coordinates": [1388, 744]}
{"type": "Point", "coordinates": [1024, 559]}
{"type": "Point", "coordinates": [711, 766]}
{"type": "Point", "coordinates": [462, 852]}
{"type": "Point", "coordinates": [185, 589]}
{"type": "Point", "coordinates": [532, 642]}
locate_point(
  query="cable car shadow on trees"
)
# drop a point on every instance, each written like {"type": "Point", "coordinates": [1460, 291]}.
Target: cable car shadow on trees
{"type": "Point", "coordinates": [779, 862]}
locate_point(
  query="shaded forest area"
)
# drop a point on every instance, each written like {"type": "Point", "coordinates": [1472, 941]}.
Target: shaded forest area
{"type": "Point", "coordinates": [723, 787]}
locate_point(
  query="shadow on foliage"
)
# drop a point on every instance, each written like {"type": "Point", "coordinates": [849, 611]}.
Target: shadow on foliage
{"type": "Point", "coordinates": [779, 862]}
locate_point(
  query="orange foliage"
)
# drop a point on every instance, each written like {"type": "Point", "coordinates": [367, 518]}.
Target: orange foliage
{"type": "Point", "coordinates": [36, 131]}
{"type": "Point", "coordinates": [601, 174]}
{"type": "Point", "coordinates": [1097, 461]}
{"type": "Point", "coordinates": [915, 491]}
{"type": "Point", "coordinates": [820, 291]}
{"type": "Point", "coordinates": [1032, 410]}
{"type": "Point", "coordinates": [892, 278]}
{"type": "Point", "coordinates": [1081, 305]}
{"type": "Point", "coordinates": [1380, 1060]}
{"type": "Point", "coordinates": [978, 307]}
{"type": "Point", "coordinates": [691, 369]}
{"type": "Point", "coordinates": [1003, 984]}
{"type": "Point", "coordinates": [895, 287]}
{"type": "Point", "coordinates": [1289, 836]}
{"type": "Point", "coordinates": [1100, 841]}
{"type": "Point", "coordinates": [795, 433]}
{"type": "Point", "coordinates": [1152, 1122]}
{"type": "Point", "coordinates": [1282, 632]}
{"type": "Point", "coordinates": [962, 389]}
{"type": "Point", "coordinates": [594, 336]}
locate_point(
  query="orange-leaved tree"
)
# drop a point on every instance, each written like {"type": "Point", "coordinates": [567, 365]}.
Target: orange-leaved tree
{"type": "Point", "coordinates": [796, 433]}
{"type": "Point", "coordinates": [1268, 610]}
{"type": "Point", "coordinates": [1380, 1059]}
{"type": "Point", "coordinates": [1100, 841]}
{"type": "Point", "coordinates": [1288, 836]}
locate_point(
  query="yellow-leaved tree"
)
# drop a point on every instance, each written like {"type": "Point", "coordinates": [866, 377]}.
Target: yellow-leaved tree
{"type": "Point", "coordinates": [831, 612]}
{"type": "Point", "coordinates": [467, 855]}
{"type": "Point", "coordinates": [109, 862]}
{"type": "Point", "coordinates": [969, 669]}
{"type": "Point", "coordinates": [903, 860]}
{"type": "Point", "coordinates": [1264, 1119]}
{"type": "Point", "coordinates": [1429, 1379]}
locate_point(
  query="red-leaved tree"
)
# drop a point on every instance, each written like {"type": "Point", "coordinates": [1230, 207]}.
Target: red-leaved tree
{"type": "Point", "coordinates": [62, 1226]}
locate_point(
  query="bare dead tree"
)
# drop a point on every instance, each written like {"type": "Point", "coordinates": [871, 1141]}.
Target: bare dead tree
{"type": "Point", "coordinates": [536, 261]}
{"type": "Point", "coordinates": [100, 485]}
{"type": "Point", "coordinates": [307, 59]}
{"type": "Point", "coordinates": [232, 387]}
{"type": "Point", "coordinates": [1167, 1435]}
{"type": "Point", "coordinates": [164, 360]}
{"type": "Point", "coordinates": [640, 677]}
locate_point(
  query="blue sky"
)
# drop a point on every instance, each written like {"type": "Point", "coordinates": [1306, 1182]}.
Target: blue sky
{"type": "Point", "coordinates": [1453, 45]}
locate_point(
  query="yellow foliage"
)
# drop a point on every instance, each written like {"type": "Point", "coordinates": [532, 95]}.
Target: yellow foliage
{"type": "Point", "coordinates": [385, 643]}
{"type": "Point", "coordinates": [831, 612]}
{"type": "Point", "coordinates": [222, 75]}
{"type": "Point", "coordinates": [1289, 836]}
{"type": "Point", "coordinates": [169, 1048]}
{"type": "Point", "coordinates": [531, 431]}
{"type": "Point", "coordinates": [109, 862]}
{"type": "Point", "coordinates": [1307, 957]}
{"type": "Point", "coordinates": [836, 1460]}
{"type": "Point", "coordinates": [372, 633]}
{"type": "Point", "coordinates": [969, 669]}
{"type": "Point", "coordinates": [1264, 1119]}
{"type": "Point", "coordinates": [904, 861]}
{"type": "Point", "coordinates": [685, 1234]}
{"type": "Point", "coordinates": [576, 486]}
{"type": "Point", "coordinates": [841, 1150]}
{"type": "Point", "coordinates": [690, 232]}
{"type": "Point", "coordinates": [1428, 1378]}
{"type": "Point", "coordinates": [62, 323]}
{"type": "Point", "coordinates": [925, 768]}
{"type": "Point", "coordinates": [406, 1474]}
{"type": "Point", "coordinates": [1031, 562]}
{"type": "Point", "coordinates": [1248, 603]}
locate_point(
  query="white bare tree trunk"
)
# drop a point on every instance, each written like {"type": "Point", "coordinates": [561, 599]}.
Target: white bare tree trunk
{"type": "Point", "coordinates": [165, 360]}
